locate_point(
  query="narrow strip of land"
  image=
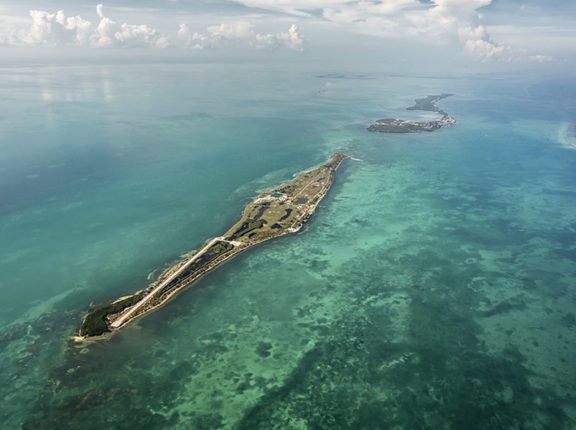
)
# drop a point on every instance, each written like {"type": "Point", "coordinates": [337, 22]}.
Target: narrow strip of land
{"type": "Point", "coordinates": [132, 310]}
{"type": "Point", "coordinates": [278, 212]}
{"type": "Point", "coordinates": [428, 103]}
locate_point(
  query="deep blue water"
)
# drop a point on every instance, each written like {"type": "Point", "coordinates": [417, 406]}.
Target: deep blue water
{"type": "Point", "coordinates": [434, 288]}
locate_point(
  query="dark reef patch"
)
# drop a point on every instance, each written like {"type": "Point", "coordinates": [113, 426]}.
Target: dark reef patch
{"type": "Point", "coordinates": [263, 349]}
{"type": "Point", "coordinates": [438, 375]}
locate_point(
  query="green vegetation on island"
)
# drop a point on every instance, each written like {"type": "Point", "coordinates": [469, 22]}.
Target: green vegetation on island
{"type": "Point", "coordinates": [428, 103]}
{"type": "Point", "coordinates": [95, 324]}
{"type": "Point", "coordinates": [272, 214]}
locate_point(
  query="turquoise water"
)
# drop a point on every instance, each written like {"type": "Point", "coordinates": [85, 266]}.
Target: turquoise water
{"type": "Point", "coordinates": [434, 288]}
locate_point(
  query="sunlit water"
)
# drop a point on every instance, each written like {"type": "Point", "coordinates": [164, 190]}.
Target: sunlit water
{"type": "Point", "coordinates": [434, 288]}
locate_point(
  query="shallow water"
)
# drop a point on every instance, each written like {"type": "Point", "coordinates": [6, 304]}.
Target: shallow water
{"type": "Point", "coordinates": [434, 288]}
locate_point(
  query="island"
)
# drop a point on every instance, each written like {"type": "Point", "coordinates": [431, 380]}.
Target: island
{"type": "Point", "coordinates": [428, 103]}
{"type": "Point", "coordinates": [274, 213]}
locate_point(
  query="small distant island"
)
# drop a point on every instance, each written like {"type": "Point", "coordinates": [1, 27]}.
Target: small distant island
{"type": "Point", "coordinates": [428, 103]}
{"type": "Point", "coordinates": [280, 211]}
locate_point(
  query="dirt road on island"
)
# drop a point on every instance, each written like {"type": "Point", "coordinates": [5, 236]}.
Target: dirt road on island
{"type": "Point", "coordinates": [132, 310]}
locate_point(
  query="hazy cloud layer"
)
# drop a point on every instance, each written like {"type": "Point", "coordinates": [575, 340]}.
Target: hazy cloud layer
{"type": "Point", "coordinates": [451, 25]}
{"type": "Point", "coordinates": [240, 33]}
{"type": "Point", "coordinates": [57, 29]}
{"type": "Point", "coordinates": [458, 19]}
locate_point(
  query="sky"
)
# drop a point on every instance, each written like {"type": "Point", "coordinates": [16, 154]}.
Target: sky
{"type": "Point", "coordinates": [472, 31]}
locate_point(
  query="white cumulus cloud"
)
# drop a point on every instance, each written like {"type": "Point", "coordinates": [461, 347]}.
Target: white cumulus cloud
{"type": "Point", "coordinates": [462, 18]}
{"type": "Point", "coordinates": [56, 29]}
{"type": "Point", "coordinates": [239, 33]}
{"type": "Point", "coordinates": [436, 19]}
{"type": "Point", "coordinates": [191, 39]}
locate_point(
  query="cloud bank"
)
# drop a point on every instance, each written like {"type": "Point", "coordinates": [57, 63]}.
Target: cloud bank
{"type": "Point", "coordinates": [459, 20]}
{"type": "Point", "coordinates": [239, 33]}
{"type": "Point", "coordinates": [57, 29]}
{"type": "Point", "coordinates": [450, 25]}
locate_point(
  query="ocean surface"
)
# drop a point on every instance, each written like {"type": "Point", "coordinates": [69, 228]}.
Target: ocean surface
{"type": "Point", "coordinates": [435, 287]}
